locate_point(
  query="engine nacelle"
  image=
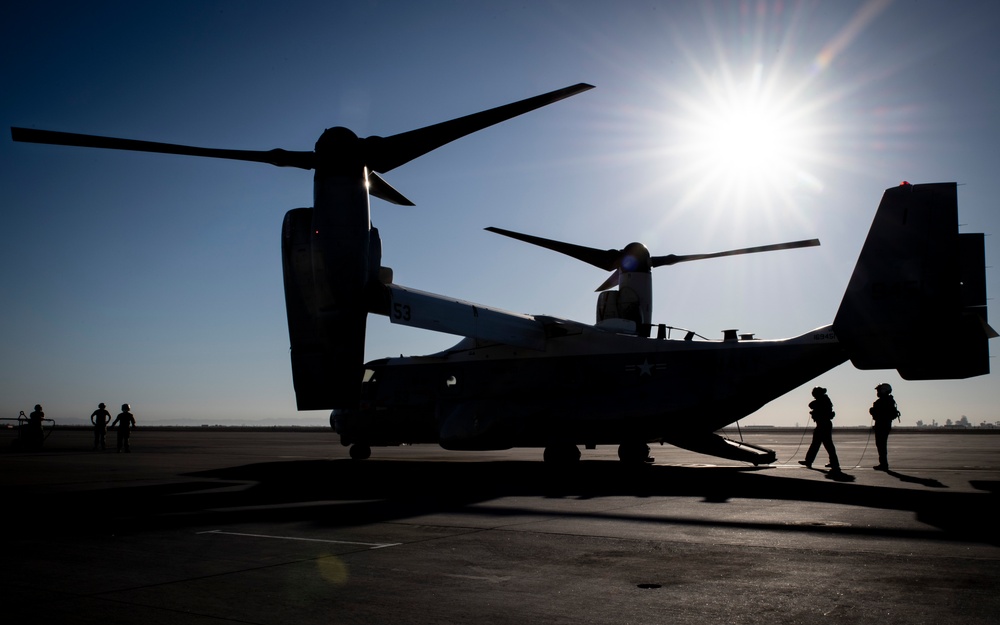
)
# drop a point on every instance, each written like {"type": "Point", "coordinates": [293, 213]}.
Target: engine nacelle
{"type": "Point", "coordinates": [632, 302]}
{"type": "Point", "coordinates": [327, 312]}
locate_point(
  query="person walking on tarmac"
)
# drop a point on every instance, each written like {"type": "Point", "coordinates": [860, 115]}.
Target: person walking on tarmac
{"type": "Point", "coordinates": [125, 422]}
{"type": "Point", "coordinates": [883, 411]}
{"type": "Point", "coordinates": [100, 419]}
{"type": "Point", "coordinates": [821, 411]}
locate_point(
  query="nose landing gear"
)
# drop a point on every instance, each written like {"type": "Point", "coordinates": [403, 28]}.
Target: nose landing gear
{"type": "Point", "coordinates": [634, 453]}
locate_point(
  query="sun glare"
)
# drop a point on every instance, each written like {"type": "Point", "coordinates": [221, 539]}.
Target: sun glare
{"type": "Point", "coordinates": [744, 140]}
{"type": "Point", "coordinates": [747, 137]}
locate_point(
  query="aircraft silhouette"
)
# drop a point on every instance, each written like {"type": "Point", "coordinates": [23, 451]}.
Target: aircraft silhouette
{"type": "Point", "coordinates": [530, 380]}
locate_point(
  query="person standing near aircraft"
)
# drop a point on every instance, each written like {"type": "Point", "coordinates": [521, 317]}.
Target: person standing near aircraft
{"type": "Point", "coordinates": [34, 431]}
{"type": "Point", "coordinates": [125, 422]}
{"type": "Point", "coordinates": [883, 411]}
{"type": "Point", "coordinates": [100, 419]}
{"type": "Point", "coordinates": [821, 411]}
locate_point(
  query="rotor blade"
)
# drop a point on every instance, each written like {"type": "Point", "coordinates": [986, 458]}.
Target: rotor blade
{"type": "Point", "coordinates": [387, 153]}
{"type": "Point", "coordinates": [278, 157]}
{"type": "Point", "coordinates": [381, 189]}
{"type": "Point", "coordinates": [602, 259]}
{"type": "Point", "coordinates": [670, 259]}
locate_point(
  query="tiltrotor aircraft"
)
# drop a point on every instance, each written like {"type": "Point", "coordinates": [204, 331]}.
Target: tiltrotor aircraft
{"type": "Point", "coordinates": [520, 380]}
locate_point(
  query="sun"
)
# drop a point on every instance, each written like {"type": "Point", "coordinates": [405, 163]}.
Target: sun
{"type": "Point", "coordinates": [748, 139]}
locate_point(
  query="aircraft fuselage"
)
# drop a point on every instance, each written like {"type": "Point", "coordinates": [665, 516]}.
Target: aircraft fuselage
{"type": "Point", "coordinates": [589, 386]}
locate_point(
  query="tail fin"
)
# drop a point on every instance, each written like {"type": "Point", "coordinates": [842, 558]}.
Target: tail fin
{"type": "Point", "coordinates": [917, 300]}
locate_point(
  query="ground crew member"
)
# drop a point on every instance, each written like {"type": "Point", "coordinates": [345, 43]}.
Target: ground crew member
{"type": "Point", "coordinates": [883, 411]}
{"type": "Point", "coordinates": [33, 433]}
{"type": "Point", "coordinates": [821, 411]}
{"type": "Point", "coordinates": [125, 422]}
{"type": "Point", "coordinates": [100, 418]}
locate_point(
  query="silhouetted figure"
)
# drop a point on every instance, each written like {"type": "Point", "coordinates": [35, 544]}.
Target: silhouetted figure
{"type": "Point", "coordinates": [883, 411]}
{"type": "Point", "coordinates": [125, 422]}
{"type": "Point", "coordinates": [100, 419]}
{"type": "Point", "coordinates": [821, 411]}
{"type": "Point", "coordinates": [35, 419]}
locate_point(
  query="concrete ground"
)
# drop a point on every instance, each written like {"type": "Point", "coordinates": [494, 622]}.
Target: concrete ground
{"type": "Point", "coordinates": [216, 526]}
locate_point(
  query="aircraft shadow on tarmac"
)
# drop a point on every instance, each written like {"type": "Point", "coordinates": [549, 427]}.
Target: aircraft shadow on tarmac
{"type": "Point", "coordinates": [345, 493]}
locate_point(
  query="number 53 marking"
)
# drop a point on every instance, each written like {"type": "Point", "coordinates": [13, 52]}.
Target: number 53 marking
{"type": "Point", "coordinates": [401, 312]}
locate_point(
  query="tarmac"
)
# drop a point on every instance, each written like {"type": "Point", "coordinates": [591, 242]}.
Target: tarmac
{"type": "Point", "coordinates": [215, 526]}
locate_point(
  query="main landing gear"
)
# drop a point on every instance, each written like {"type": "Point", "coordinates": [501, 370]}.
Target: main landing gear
{"type": "Point", "coordinates": [632, 454]}
{"type": "Point", "coordinates": [561, 454]}
{"type": "Point", "coordinates": [360, 452]}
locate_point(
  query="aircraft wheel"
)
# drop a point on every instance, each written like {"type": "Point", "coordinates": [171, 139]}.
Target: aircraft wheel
{"type": "Point", "coordinates": [634, 453]}
{"type": "Point", "coordinates": [360, 452]}
{"type": "Point", "coordinates": [561, 454]}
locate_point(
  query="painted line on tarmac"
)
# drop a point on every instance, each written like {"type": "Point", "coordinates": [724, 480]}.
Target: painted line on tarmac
{"type": "Point", "coordinates": [311, 540]}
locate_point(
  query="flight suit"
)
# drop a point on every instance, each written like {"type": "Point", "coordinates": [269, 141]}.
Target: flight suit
{"type": "Point", "coordinates": [100, 418]}
{"type": "Point", "coordinates": [821, 410]}
{"type": "Point", "coordinates": [883, 411]}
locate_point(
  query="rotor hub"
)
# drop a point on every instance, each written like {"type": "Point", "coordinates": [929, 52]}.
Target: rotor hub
{"type": "Point", "coordinates": [339, 152]}
{"type": "Point", "coordinates": [635, 257]}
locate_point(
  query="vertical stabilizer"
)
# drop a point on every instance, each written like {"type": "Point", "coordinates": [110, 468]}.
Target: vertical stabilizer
{"type": "Point", "coordinates": [917, 299]}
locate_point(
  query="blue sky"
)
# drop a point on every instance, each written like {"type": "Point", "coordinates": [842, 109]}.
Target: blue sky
{"type": "Point", "coordinates": [156, 279]}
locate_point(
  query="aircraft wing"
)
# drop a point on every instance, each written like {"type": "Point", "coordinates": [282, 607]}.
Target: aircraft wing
{"type": "Point", "coordinates": [429, 311]}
